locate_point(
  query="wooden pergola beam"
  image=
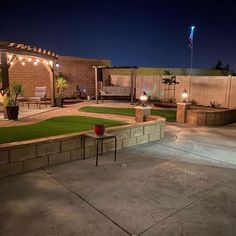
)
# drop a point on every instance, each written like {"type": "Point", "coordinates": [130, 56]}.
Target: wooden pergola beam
{"type": "Point", "coordinates": [4, 70]}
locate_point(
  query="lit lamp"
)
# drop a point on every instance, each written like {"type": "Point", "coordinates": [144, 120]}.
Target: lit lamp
{"type": "Point", "coordinates": [143, 98]}
{"type": "Point", "coordinates": [184, 95]}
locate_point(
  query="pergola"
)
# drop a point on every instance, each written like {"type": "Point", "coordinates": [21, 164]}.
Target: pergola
{"type": "Point", "coordinates": [12, 52]}
{"type": "Point", "coordinates": [98, 76]}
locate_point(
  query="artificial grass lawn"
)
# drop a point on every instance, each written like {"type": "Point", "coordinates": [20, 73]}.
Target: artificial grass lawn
{"type": "Point", "coordinates": [170, 115]}
{"type": "Point", "coordinates": [54, 126]}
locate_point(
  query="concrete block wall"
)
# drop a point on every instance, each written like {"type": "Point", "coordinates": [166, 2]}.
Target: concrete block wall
{"type": "Point", "coordinates": [78, 71]}
{"type": "Point", "coordinates": [31, 76]}
{"type": "Point", "coordinates": [211, 118]}
{"type": "Point", "coordinates": [20, 157]}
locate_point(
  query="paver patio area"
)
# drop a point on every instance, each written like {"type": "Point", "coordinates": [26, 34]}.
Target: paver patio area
{"type": "Point", "coordinates": [182, 185]}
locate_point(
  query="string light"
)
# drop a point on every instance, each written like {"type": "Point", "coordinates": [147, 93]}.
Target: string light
{"type": "Point", "coordinates": [22, 63]}
{"type": "Point", "coordinates": [37, 60]}
{"type": "Point", "coordinates": [20, 58]}
{"type": "Point", "coordinates": [11, 62]}
{"type": "Point", "coordinates": [35, 63]}
{"type": "Point", "coordinates": [29, 59]}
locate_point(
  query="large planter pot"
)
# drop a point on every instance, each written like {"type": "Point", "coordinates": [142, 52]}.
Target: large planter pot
{"type": "Point", "coordinates": [12, 112]}
{"type": "Point", "coordinates": [59, 102]}
{"type": "Point", "coordinates": [99, 129]}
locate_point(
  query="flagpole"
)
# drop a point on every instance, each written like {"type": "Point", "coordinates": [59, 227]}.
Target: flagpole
{"type": "Point", "coordinates": [191, 61]}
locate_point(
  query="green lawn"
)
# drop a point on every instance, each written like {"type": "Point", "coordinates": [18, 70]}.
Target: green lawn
{"type": "Point", "coordinates": [51, 127]}
{"type": "Point", "coordinates": [170, 115]}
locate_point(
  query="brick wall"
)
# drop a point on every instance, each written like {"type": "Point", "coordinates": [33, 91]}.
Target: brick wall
{"type": "Point", "coordinates": [34, 154]}
{"type": "Point", "coordinates": [78, 71]}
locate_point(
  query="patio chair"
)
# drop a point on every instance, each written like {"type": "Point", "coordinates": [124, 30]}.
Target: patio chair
{"type": "Point", "coordinates": [40, 97]}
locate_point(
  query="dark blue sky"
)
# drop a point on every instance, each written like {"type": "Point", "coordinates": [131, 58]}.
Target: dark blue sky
{"type": "Point", "coordinates": [142, 33]}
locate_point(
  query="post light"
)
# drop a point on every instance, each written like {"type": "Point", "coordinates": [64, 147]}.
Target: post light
{"type": "Point", "coordinates": [184, 95]}
{"type": "Point", "coordinates": [143, 98]}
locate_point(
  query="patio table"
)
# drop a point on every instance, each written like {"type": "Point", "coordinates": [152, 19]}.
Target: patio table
{"type": "Point", "coordinates": [99, 139]}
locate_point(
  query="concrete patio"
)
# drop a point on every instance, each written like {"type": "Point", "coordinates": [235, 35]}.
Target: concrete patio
{"type": "Point", "coordinates": [182, 185]}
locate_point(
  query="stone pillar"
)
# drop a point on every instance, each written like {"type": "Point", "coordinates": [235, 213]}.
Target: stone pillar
{"type": "Point", "coordinates": [141, 113]}
{"type": "Point", "coordinates": [182, 108]}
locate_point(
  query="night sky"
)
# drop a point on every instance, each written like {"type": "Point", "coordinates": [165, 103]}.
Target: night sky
{"type": "Point", "coordinates": [141, 33]}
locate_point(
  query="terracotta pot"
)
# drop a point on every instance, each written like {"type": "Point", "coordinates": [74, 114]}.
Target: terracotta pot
{"type": "Point", "coordinates": [99, 129]}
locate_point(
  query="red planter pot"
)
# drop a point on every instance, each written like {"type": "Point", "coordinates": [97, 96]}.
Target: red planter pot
{"type": "Point", "coordinates": [99, 129]}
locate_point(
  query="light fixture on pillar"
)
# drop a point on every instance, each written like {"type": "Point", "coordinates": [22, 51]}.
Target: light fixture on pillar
{"type": "Point", "coordinates": [184, 96]}
{"type": "Point", "coordinates": [143, 98]}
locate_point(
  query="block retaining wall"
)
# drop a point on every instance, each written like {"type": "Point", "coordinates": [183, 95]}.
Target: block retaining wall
{"type": "Point", "coordinates": [24, 156]}
{"type": "Point", "coordinates": [211, 118]}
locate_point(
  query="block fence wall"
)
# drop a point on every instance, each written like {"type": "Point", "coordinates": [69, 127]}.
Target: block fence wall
{"type": "Point", "coordinates": [20, 157]}
{"type": "Point", "coordinates": [78, 71]}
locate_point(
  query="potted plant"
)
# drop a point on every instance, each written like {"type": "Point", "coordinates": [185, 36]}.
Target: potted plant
{"type": "Point", "coordinates": [61, 84]}
{"type": "Point", "coordinates": [10, 100]}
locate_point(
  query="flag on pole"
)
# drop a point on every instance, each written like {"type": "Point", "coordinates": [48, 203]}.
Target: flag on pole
{"type": "Point", "coordinates": [190, 40]}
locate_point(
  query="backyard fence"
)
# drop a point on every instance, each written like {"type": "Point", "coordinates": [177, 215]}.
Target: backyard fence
{"type": "Point", "coordinates": [202, 89]}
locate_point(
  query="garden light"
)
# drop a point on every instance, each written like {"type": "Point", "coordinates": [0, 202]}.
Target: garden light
{"type": "Point", "coordinates": [143, 98]}
{"type": "Point", "coordinates": [184, 95]}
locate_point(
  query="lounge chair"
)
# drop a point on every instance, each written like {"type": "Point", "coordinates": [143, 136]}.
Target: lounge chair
{"type": "Point", "coordinates": [40, 97]}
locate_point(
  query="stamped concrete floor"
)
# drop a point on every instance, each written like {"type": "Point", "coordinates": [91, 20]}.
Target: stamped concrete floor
{"type": "Point", "coordinates": [183, 185]}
